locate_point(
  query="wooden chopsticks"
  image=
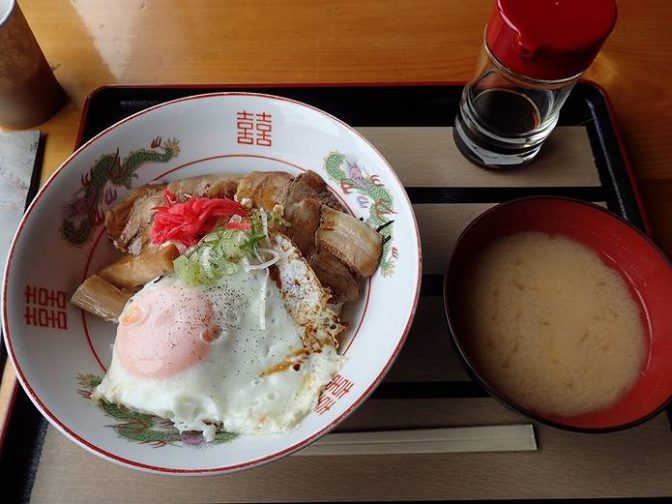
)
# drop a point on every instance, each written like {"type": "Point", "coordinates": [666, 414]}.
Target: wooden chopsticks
{"type": "Point", "coordinates": [497, 438]}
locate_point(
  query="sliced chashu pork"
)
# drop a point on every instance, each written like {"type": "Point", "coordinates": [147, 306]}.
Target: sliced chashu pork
{"type": "Point", "coordinates": [340, 248]}
{"type": "Point", "coordinates": [304, 297]}
{"type": "Point", "coordinates": [128, 223]}
{"type": "Point", "coordinates": [206, 186]}
{"type": "Point", "coordinates": [277, 191]}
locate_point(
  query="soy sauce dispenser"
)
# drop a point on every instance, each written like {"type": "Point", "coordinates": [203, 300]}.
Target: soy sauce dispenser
{"type": "Point", "coordinates": [534, 51]}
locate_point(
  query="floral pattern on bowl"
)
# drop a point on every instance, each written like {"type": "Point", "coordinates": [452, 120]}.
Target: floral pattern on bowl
{"type": "Point", "coordinates": [147, 429]}
{"type": "Point", "coordinates": [372, 195]}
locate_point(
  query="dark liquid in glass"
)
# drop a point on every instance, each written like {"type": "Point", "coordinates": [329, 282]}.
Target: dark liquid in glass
{"type": "Point", "coordinates": [507, 112]}
{"type": "Point", "coordinates": [504, 113]}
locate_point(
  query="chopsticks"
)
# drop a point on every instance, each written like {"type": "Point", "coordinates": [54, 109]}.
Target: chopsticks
{"type": "Point", "coordinates": [496, 438]}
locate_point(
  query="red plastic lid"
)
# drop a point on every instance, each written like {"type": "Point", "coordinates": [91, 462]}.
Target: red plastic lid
{"type": "Point", "coordinates": [549, 39]}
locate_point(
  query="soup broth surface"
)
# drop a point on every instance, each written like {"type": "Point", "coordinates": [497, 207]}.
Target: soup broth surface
{"type": "Point", "coordinates": [551, 326]}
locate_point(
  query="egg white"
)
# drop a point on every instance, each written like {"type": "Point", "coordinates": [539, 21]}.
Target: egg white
{"type": "Point", "coordinates": [231, 387]}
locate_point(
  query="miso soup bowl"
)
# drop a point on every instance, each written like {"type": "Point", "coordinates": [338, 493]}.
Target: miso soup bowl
{"type": "Point", "coordinates": [622, 247]}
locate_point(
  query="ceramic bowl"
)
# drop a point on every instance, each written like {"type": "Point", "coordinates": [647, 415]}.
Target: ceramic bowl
{"type": "Point", "coordinates": [622, 247]}
{"type": "Point", "coordinates": [60, 353]}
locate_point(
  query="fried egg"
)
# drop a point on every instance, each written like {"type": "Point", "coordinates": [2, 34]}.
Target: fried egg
{"type": "Point", "coordinates": [248, 355]}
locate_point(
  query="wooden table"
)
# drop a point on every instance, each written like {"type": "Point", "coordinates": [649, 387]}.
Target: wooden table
{"type": "Point", "coordinates": [91, 43]}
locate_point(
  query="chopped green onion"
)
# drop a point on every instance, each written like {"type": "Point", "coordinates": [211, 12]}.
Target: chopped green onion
{"type": "Point", "coordinates": [221, 252]}
{"type": "Point", "coordinates": [188, 271]}
{"type": "Point", "coordinates": [249, 246]}
{"type": "Point", "coordinates": [276, 218]}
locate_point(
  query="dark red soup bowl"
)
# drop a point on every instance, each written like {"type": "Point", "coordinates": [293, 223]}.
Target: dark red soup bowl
{"type": "Point", "coordinates": [622, 247]}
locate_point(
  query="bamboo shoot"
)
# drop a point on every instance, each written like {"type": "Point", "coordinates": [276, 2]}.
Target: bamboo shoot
{"type": "Point", "coordinates": [132, 271]}
{"type": "Point", "coordinates": [100, 298]}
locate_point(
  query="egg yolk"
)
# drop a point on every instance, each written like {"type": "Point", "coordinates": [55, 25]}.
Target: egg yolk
{"type": "Point", "coordinates": [164, 331]}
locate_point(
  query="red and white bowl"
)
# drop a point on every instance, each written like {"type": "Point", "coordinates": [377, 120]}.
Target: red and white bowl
{"type": "Point", "coordinates": [644, 268]}
{"type": "Point", "coordinates": [61, 352]}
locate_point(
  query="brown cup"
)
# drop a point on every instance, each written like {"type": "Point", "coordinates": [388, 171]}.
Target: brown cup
{"type": "Point", "coordinates": [29, 92]}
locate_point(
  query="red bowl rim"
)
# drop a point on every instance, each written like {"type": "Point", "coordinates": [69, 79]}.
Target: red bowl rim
{"type": "Point", "coordinates": [472, 369]}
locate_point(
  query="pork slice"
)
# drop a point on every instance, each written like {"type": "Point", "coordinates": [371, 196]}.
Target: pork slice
{"type": "Point", "coordinates": [206, 186]}
{"type": "Point", "coordinates": [311, 185]}
{"type": "Point", "coordinates": [304, 297]}
{"type": "Point", "coordinates": [357, 245]}
{"type": "Point", "coordinates": [263, 189]}
{"type": "Point", "coordinates": [305, 219]}
{"type": "Point", "coordinates": [128, 222]}
{"type": "Point", "coordinates": [343, 283]}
